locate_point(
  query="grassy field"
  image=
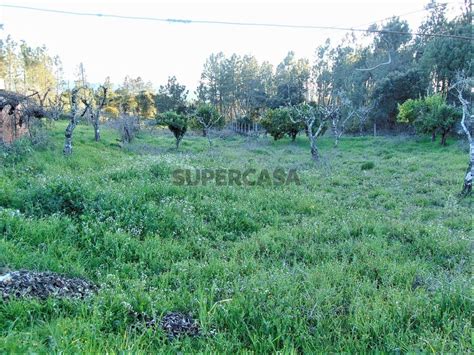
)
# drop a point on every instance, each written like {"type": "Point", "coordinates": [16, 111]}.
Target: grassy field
{"type": "Point", "coordinates": [370, 252]}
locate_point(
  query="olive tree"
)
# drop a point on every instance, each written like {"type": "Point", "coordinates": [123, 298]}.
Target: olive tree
{"type": "Point", "coordinates": [462, 88]}
{"type": "Point", "coordinates": [207, 118]}
{"type": "Point", "coordinates": [74, 117]}
{"type": "Point", "coordinates": [340, 112]}
{"type": "Point", "coordinates": [96, 105]}
{"type": "Point", "coordinates": [177, 124]}
{"type": "Point", "coordinates": [315, 121]}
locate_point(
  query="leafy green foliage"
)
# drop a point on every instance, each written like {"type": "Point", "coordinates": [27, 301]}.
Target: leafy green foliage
{"type": "Point", "coordinates": [15, 152]}
{"type": "Point", "coordinates": [429, 115]}
{"type": "Point", "coordinates": [171, 97]}
{"type": "Point", "coordinates": [177, 124]}
{"type": "Point", "coordinates": [146, 104]}
{"type": "Point", "coordinates": [410, 110]}
{"type": "Point", "coordinates": [66, 195]}
{"type": "Point", "coordinates": [206, 116]}
{"type": "Point", "coordinates": [396, 88]}
{"type": "Point", "coordinates": [278, 123]}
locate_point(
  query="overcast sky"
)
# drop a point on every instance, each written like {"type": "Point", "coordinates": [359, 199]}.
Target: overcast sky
{"type": "Point", "coordinates": [154, 51]}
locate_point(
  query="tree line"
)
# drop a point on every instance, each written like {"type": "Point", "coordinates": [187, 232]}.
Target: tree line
{"type": "Point", "coordinates": [239, 87]}
{"type": "Point", "coordinates": [386, 79]}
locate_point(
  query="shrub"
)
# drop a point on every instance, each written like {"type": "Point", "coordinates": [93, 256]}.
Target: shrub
{"type": "Point", "coordinates": [39, 134]}
{"type": "Point", "coordinates": [66, 195]}
{"type": "Point", "coordinates": [14, 153]}
{"type": "Point", "coordinates": [37, 139]}
{"type": "Point", "coordinates": [367, 165]}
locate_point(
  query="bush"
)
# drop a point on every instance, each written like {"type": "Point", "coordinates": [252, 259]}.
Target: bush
{"type": "Point", "coordinates": [37, 139]}
{"type": "Point", "coordinates": [369, 165]}
{"type": "Point", "coordinates": [14, 153]}
{"type": "Point", "coordinates": [66, 195]}
{"type": "Point", "coordinates": [39, 134]}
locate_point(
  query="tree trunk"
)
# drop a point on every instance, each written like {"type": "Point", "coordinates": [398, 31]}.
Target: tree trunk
{"type": "Point", "coordinates": [467, 188]}
{"type": "Point", "coordinates": [68, 134]}
{"type": "Point", "coordinates": [433, 136]}
{"type": "Point", "coordinates": [96, 131]}
{"type": "Point", "coordinates": [375, 129]}
{"type": "Point", "coordinates": [335, 132]}
{"type": "Point", "coordinates": [208, 137]}
{"type": "Point", "coordinates": [314, 149]}
{"type": "Point", "coordinates": [67, 150]}
{"type": "Point", "coordinates": [444, 136]}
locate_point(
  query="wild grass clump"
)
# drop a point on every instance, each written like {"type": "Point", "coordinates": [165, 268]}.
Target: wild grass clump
{"type": "Point", "coordinates": [68, 195]}
{"type": "Point", "coordinates": [15, 152]}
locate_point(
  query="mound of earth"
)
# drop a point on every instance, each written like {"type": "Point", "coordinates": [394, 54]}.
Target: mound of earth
{"type": "Point", "coordinates": [174, 324]}
{"type": "Point", "coordinates": [32, 284]}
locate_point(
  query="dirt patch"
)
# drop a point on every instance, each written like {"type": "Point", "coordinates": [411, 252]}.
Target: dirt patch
{"type": "Point", "coordinates": [174, 324]}
{"type": "Point", "coordinates": [32, 284]}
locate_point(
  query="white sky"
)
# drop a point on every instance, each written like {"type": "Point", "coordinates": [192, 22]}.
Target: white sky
{"type": "Point", "coordinates": [154, 51]}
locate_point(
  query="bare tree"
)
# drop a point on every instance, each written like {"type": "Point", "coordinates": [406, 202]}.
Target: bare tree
{"type": "Point", "coordinates": [463, 86]}
{"type": "Point", "coordinates": [41, 98]}
{"type": "Point", "coordinates": [56, 107]}
{"type": "Point", "coordinates": [19, 110]}
{"type": "Point", "coordinates": [339, 114]}
{"type": "Point", "coordinates": [73, 121]}
{"type": "Point", "coordinates": [128, 127]}
{"type": "Point", "coordinates": [362, 114]}
{"type": "Point", "coordinates": [95, 109]}
{"type": "Point", "coordinates": [315, 122]}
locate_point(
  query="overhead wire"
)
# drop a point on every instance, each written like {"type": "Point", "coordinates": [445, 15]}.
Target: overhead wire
{"type": "Point", "coordinates": [233, 23]}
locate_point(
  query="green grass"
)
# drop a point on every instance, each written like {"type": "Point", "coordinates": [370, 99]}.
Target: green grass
{"type": "Point", "coordinates": [329, 265]}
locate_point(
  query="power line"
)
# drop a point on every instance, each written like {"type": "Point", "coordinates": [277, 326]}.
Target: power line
{"type": "Point", "coordinates": [233, 23]}
{"type": "Point", "coordinates": [409, 13]}
{"type": "Point", "coordinates": [389, 18]}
